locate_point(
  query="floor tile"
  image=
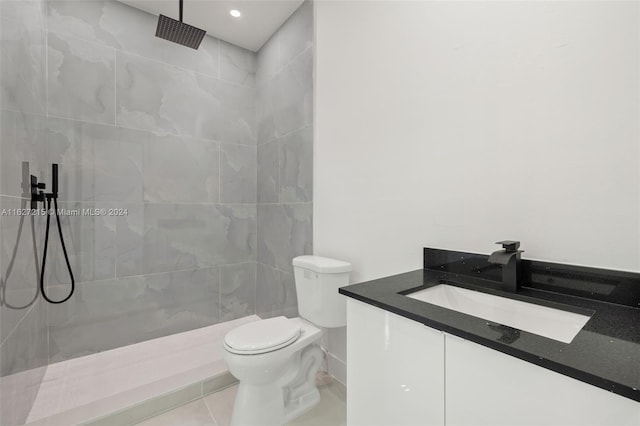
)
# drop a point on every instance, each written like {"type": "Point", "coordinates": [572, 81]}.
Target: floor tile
{"type": "Point", "coordinates": [221, 405]}
{"type": "Point", "coordinates": [193, 414]}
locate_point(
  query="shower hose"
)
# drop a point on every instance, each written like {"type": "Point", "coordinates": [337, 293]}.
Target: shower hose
{"type": "Point", "coordinates": [64, 249]}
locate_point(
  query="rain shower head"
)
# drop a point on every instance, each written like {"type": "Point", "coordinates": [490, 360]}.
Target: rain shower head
{"type": "Point", "coordinates": [179, 32]}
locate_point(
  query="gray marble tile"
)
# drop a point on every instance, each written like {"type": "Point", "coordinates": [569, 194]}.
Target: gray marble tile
{"type": "Point", "coordinates": [22, 64]}
{"type": "Point", "coordinates": [20, 254]}
{"type": "Point", "coordinates": [237, 290]}
{"type": "Point", "coordinates": [22, 148]}
{"type": "Point", "coordinates": [284, 232]}
{"type": "Point", "coordinates": [90, 244]}
{"type": "Point", "coordinates": [232, 114]}
{"type": "Point", "coordinates": [234, 236]}
{"type": "Point", "coordinates": [177, 236]}
{"type": "Point", "coordinates": [181, 169]}
{"type": "Point", "coordinates": [268, 172]}
{"type": "Point", "coordinates": [28, 11]}
{"type": "Point", "coordinates": [158, 97]}
{"type": "Point", "coordinates": [195, 413]}
{"type": "Point", "coordinates": [184, 236]}
{"type": "Point", "coordinates": [130, 241]}
{"type": "Point", "coordinates": [81, 79]}
{"type": "Point", "coordinates": [117, 161]}
{"type": "Point", "coordinates": [275, 293]}
{"type": "Point", "coordinates": [268, 60]}
{"type": "Point", "coordinates": [238, 174]}
{"type": "Point", "coordinates": [296, 166]}
{"type": "Point", "coordinates": [237, 65]}
{"type": "Point", "coordinates": [296, 34]}
{"type": "Point", "coordinates": [117, 25]}
{"type": "Point", "coordinates": [23, 361]}
{"type": "Point", "coordinates": [26, 347]}
{"type": "Point", "coordinates": [293, 109]}
{"type": "Point", "coordinates": [108, 314]}
{"type": "Point", "coordinates": [97, 162]}
{"type": "Point", "coordinates": [267, 99]}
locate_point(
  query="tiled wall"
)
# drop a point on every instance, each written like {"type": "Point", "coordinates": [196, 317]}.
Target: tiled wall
{"type": "Point", "coordinates": [23, 319]}
{"type": "Point", "coordinates": [211, 160]}
{"type": "Point", "coordinates": [136, 123]}
{"type": "Point", "coordinates": [285, 160]}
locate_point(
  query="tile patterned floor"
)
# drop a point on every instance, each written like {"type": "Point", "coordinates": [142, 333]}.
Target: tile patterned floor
{"type": "Point", "coordinates": [215, 410]}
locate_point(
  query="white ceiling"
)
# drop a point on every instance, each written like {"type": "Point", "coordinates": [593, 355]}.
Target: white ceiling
{"type": "Point", "coordinates": [259, 20]}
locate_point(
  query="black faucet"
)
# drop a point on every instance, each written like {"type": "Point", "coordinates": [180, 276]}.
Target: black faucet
{"type": "Point", "coordinates": [509, 258]}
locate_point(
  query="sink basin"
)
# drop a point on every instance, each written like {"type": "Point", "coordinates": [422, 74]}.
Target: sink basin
{"type": "Point", "coordinates": [548, 322]}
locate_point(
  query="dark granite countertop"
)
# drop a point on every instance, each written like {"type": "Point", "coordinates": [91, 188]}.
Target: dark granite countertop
{"type": "Point", "coordinates": [605, 353]}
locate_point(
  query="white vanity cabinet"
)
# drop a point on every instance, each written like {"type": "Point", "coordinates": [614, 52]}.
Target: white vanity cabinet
{"type": "Point", "coordinates": [402, 373]}
{"type": "Point", "coordinates": [395, 373]}
{"type": "Point", "coordinates": [487, 387]}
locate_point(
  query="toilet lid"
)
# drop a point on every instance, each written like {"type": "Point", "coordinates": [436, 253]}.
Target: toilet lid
{"type": "Point", "coordinates": [262, 336]}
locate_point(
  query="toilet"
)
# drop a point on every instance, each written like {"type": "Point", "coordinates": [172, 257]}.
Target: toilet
{"type": "Point", "coordinates": [276, 359]}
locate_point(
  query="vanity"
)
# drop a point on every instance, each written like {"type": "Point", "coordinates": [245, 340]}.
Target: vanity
{"type": "Point", "coordinates": [448, 345]}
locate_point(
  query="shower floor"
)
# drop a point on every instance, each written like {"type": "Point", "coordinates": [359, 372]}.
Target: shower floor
{"type": "Point", "coordinates": [86, 389]}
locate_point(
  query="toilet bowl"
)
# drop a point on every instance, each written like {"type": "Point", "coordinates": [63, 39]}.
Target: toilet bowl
{"type": "Point", "coordinates": [276, 359]}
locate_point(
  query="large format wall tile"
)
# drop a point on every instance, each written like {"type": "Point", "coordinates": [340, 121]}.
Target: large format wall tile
{"type": "Point", "coordinates": [268, 60]}
{"type": "Point", "coordinates": [296, 166]}
{"type": "Point", "coordinates": [97, 162]}
{"type": "Point", "coordinates": [20, 254]}
{"type": "Point", "coordinates": [285, 102]}
{"type": "Point", "coordinates": [181, 169]}
{"type": "Point", "coordinates": [23, 65]}
{"type": "Point", "coordinates": [181, 236]}
{"type": "Point", "coordinates": [22, 149]}
{"type": "Point", "coordinates": [294, 95]}
{"type": "Point", "coordinates": [117, 25]}
{"type": "Point", "coordinates": [81, 79]}
{"type": "Point", "coordinates": [268, 172]}
{"type": "Point", "coordinates": [237, 65]}
{"type": "Point", "coordinates": [267, 101]}
{"type": "Point", "coordinates": [158, 97]}
{"type": "Point", "coordinates": [237, 290]}
{"type": "Point", "coordinates": [177, 236]}
{"type": "Point", "coordinates": [25, 348]}
{"type": "Point", "coordinates": [296, 34]}
{"type": "Point", "coordinates": [105, 315]}
{"type": "Point", "coordinates": [130, 240]}
{"type": "Point", "coordinates": [235, 233]}
{"type": "Point", "coordinates": [284, 232]}
{"type": "Point", "coordinates": [89, 236]}
{"type": "Point", "coordinates": [238, 174]}
{"type": "Point", "coordinates": [275, 293]}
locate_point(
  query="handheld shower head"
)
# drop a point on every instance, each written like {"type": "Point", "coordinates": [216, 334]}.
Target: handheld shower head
{"type": "Point", "coordinates": [179, 32]}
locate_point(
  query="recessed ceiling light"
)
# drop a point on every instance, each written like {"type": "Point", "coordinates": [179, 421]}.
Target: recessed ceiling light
{"type": "Point", "coordinates": [235, 13]}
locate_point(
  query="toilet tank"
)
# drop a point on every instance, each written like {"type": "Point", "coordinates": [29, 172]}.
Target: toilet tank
{"type": "Point", "coordinates": [317, 282]}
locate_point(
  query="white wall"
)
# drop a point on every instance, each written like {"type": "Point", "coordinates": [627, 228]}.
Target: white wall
{"type": "Point", "coordinates": [458, 124]}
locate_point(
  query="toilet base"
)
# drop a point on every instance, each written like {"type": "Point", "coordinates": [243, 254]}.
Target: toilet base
{"type": "Point", "coordinates": [275, 404]}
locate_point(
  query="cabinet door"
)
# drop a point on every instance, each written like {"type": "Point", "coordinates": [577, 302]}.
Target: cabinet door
{"type": "Point", "coordinates": [487, 387]}
{"type": "Point", "coordinates": [395, 373]}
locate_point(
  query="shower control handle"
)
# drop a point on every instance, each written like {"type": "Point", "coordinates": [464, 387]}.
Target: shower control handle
{"type": "Point", "coordinates": [54, 180]}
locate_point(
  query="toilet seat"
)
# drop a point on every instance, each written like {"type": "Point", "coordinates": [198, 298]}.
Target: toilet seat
{"type": "Point", "coordinates": [262, 336]}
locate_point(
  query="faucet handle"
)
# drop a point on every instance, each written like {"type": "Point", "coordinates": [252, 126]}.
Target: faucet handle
{"type": "Point", "coordinates": [509, 245]}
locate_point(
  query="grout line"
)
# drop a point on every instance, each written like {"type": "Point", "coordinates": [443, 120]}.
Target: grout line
{"type": "Point", "coordinates": [151, 274]}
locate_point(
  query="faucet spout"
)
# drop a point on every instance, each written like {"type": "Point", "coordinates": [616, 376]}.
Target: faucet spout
{"type": "Point", "coordinates": [509, 259]}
